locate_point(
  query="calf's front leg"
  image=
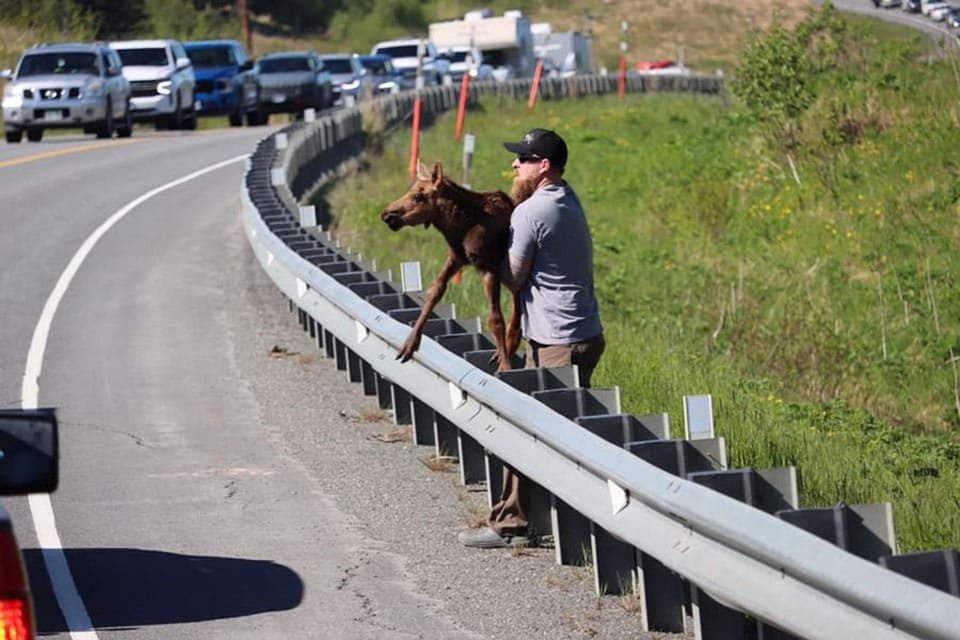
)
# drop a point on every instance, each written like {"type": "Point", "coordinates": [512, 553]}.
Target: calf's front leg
{"type": "Point", "coordinates": [434, 293]}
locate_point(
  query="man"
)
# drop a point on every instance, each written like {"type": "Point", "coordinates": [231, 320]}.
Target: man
{"type": "Point", "coordinates": [550, 262]}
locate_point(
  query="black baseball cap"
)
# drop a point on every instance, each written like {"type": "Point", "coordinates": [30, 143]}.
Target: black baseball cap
{"type": "Point", "coordinates": [543, 143]}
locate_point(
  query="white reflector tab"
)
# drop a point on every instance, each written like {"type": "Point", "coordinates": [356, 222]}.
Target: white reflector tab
{"type": "Point", "coordinates": [281, 141]}
{"type": "Point", "coordinates": [308, 216]}
{"type": "Point", "coordinates": [410, 279]}
{"type": "Point", "coordinates": [253, 233]}
{"type": "Point", "coordinates": [269, 258]}
{"type": "Point", "coordinates": [309, 115]}
{"type": "Point", "coordinates": [618, 497]}
{"type": "Point", "coordinates": [362, 331]}
{"type": "Point", "coordinates": [457, 396]}
{"type": "Point", "coordinates": [301, 288]}
{"type": "Point", "coordinates": [277, 177]}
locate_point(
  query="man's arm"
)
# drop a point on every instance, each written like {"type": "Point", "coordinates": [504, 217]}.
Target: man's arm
{"type": "Point", "coordinates": [515, 273]}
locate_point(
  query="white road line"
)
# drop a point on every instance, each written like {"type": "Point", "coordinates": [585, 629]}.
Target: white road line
{"type": "Point", "coordinates": [41, 509]}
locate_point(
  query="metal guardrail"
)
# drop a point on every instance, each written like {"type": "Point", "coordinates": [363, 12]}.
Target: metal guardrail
{"type": "Point", "coordinates": [741, 556]}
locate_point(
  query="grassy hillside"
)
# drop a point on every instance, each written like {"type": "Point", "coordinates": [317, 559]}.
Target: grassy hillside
{"type": "Point", "coordinates": [818, 303]}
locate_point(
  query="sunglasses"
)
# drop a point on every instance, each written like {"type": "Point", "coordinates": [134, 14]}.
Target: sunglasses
{"type": "Point", "coordinates": [525, 158]}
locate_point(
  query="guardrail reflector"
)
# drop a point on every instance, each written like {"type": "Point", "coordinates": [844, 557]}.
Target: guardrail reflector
{"type": "Point", "coordinates": [457, 396]}
{"type": "Point", "coordinates": [277, 177]}
{"type": "Point", "coordinates": [410, 279]}
{"type": "Point", "coordinates": [618, 497]}
{"type": "Point", "coordinates": [362, 331]}
{"type": "Point", "coordinates": [280, 140]}
{"type": "Point", "coordinates": [301, 288]}
{"type": "Point", "coordinates": [308, 216]}
{"type": "Point", "coordinates": [269, 258]}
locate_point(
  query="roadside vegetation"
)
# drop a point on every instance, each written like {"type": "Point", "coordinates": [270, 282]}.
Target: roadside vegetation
{"type": "Point", "coordinates": [794, 254]}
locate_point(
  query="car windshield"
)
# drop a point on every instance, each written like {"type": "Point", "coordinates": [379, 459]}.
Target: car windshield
{"type": "Point", "coordinates": [146, 57]}
{"type": "Point", "coordinates": [400, 51]}
{"type": "Point", "coordinates": [284, 65]}
{"type": "Point", "coordinates": [212, 57]}
{"type": "Point", "coordinates": [39, 64]}
{"type": "Point", "coordinates": [338, 65]}
{"type": "Point", "coordinates": [380, 67]}
{"type": "Point", "coordinates": [456, 56]}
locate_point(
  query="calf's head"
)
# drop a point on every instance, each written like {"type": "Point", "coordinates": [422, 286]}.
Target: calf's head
{"type": "Point", "coordinates": [419, 204]}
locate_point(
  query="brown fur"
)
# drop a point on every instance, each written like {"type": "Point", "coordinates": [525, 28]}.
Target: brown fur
{"type": "Point", "coordinates": [476, 226]}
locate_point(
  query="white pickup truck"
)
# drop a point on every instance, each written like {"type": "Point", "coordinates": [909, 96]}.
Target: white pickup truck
{"type": "Point", "coordinates": [411, 53]}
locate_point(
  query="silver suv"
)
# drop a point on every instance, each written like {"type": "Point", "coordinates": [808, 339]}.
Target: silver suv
{"type": "Point", "coordinates": [161, 82]}
{"type": "Point", "coordinates": [66, 86]}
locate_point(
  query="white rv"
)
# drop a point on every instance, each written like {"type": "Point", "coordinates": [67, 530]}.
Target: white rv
{"type": "Point", "coordinates": [505, 41]}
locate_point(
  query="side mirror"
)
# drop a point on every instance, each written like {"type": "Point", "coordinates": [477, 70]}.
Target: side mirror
{"type": "Point", "coordinates": [114, 71]}
{"type": "Point", "coordinates": [6, 74]}
{"type": "Point", "coordinates": [183, 63]}
{"type": "Point", "coordinates": [29, 451]}
{"type": "Point", "coordinates": [247, 65]}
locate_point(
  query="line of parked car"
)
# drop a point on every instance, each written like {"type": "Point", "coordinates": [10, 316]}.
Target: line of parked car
{"type": "Point", "coordinates": [104, 88]}
{"type": "Point", "coordinates": [937, 11]}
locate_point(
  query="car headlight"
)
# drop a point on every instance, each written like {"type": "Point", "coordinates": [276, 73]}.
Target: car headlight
{"type": "Point", "coordinates": [12, 97]}
{"type": "Point", "coordinates": [164, 87]}
{"type": "Point", "coordinates": [350, 86]}
{"type": "Point", "coordinates": [93, 88]}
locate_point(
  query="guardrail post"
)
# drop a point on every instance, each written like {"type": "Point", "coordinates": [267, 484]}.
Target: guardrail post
{"type": "Point", "coordinates": [448, 437]}
{"type": "Point", "coordinates": [571, 530]}
{"type": "Point", "coordinates": [615, 561]}
{"type": "Point", "coordinates": [865, 530]}
{"type": "Point", "coordinates": [768, 490]}
{"type": "Point", "coordinates": [664, 594]}
{"type": "Point", "coordinates": [529, 381]}
{"type": "Point", "coordinates": [939, 569]}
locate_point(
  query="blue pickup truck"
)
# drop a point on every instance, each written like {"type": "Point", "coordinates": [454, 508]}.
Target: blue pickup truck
{"type": "Point", "coordinates": [226, 81]}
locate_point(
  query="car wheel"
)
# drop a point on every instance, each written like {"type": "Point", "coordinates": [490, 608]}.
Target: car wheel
{"type": "Point", "coordinates": [13, 135]}
{"type": "Point", "coordinates": [107, 127]}
{"type": "Point", "coordinates": [190, 120]}
{"type": "Point", "coordinates": [256, 118]}
{"type": "Point", "coordinates": [236, 119]}
{"type": "Point", "coordinates": [126, 129]}
{"type": "Point", "coordinates": [34, 135]}
{"type": "Point", "coordinates": [176, 120]}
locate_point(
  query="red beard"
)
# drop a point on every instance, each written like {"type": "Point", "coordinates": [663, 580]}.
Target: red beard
{"type": "Point", "coordinates": [521, 190]}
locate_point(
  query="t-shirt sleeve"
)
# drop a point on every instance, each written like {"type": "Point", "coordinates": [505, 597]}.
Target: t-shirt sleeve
{"type": "Point", "coordinates": [523, 237]}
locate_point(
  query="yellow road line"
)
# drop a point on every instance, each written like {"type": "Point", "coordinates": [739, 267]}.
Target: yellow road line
{"type": "Point", "coordinates": [46, 155]}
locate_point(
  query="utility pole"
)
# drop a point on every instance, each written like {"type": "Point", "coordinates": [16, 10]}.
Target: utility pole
{"type": "Point", "coordinates": [245, 26]}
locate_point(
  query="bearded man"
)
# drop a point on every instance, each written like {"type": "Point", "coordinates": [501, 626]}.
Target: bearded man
{"type": "Point", "coordinates": [550, 262]}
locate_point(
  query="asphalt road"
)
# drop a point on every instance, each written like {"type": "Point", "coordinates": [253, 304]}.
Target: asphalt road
{"type": "Point", "coordinates": [210, 488]}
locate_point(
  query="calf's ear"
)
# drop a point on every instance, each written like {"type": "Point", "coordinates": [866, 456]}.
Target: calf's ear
{"type": "Point", "coordinates": [437, 173]}
{"type": "Point", "coordinates": [422, 172]}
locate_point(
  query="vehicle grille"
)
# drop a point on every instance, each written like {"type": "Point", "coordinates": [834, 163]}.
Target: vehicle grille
{"type": "Point", "coordinates": [142, 89]}
{"type": "Point", "coordinates": [204, 86]}
{"type": "Point", "coordinates": [52, 93]}
{"type": "Point", "coordinates": [291, 91]}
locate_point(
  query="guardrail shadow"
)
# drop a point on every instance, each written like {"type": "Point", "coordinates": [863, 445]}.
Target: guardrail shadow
{"type": "Point", "coordinates": [124, 588]}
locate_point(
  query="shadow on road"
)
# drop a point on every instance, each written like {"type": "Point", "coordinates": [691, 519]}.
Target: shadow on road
{"type": "Point", "coordinates": [124, 588]}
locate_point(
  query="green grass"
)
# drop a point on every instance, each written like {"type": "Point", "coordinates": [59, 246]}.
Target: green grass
{"type": "Point", "coordinates": [821, 310]}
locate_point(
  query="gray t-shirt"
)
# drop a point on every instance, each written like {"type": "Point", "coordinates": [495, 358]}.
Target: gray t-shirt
{"type": "Point", "coordinates": [559, 304]}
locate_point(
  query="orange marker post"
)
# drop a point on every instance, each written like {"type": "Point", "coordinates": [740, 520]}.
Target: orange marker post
{"type": "Point", "coordinates": [537, 72]}
{"type": "Point", "coordinates": [462, 107]}
{"type": "Point", "coordinates": [415, 140]}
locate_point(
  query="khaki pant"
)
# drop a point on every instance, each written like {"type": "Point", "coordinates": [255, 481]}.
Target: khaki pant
{"type": "Point", "coordinates": [509, 515]}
